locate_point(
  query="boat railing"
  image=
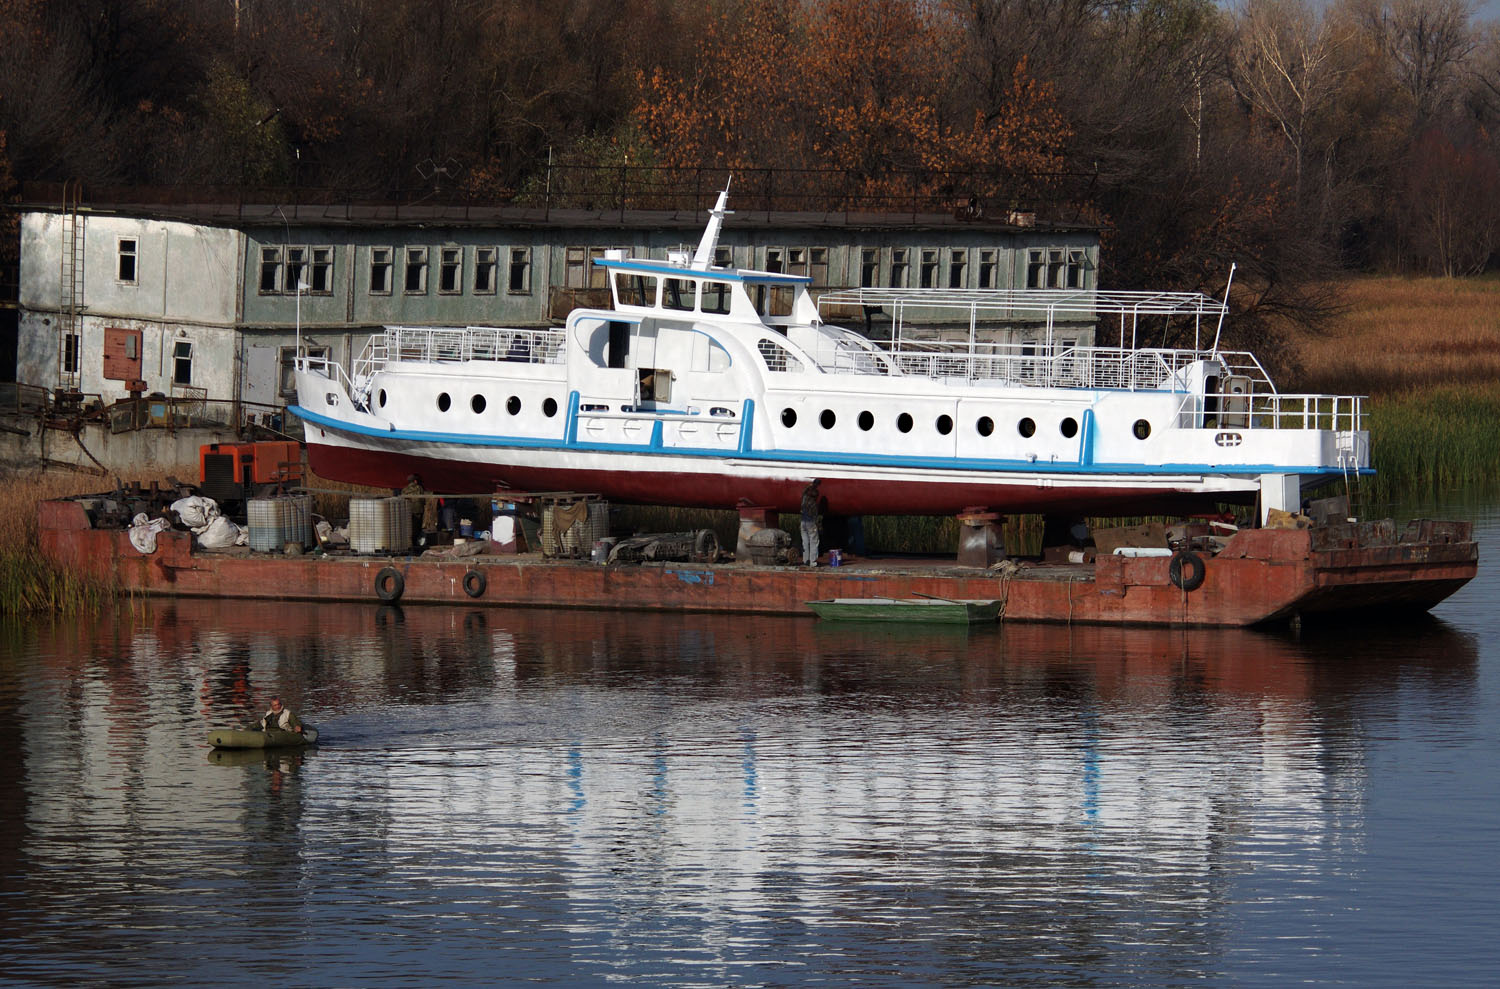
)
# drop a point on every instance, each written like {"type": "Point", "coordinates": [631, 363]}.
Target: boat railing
{"type": "Point", "coordinates": [435, 345]}
{"type": "Point", "coordinates": [1024, 364]}
{"type": "Point", "coordinates": [1342, 414]}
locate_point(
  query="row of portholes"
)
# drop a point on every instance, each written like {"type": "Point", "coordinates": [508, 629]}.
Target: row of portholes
{"type": "Point", "coordinates": [479, 404]}
{"type": "Point", "coordinates": [984, 425]}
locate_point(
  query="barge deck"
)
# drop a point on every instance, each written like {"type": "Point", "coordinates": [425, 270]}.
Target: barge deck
{"type": "Point", "coordinates": [1260, 576]}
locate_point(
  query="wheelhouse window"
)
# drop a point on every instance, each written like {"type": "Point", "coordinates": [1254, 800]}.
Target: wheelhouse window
{"type": "Point", "coordinates": [678, 293]}
{"type": "Point", "coordinates": [126, 269]}
{"type": "Point", "coordinates": [520, 271]}
{"type": "Point", "coordinates": [484, 270]}
{"type": "Point", "coordinates": [270, 270]}
{"type": "Point", "coordinates": [380, 270]}
{"type": "Point", "coordinates": [773, 301]}
{"type": "Point", "coordinates": [636, 289]}
{"type": "Point", "coordinates": [322, 271]}
{"type": "Point", "coordinates": [416, 271]}
{"type": "Point", "coordinates": [450, 270]}
{"type": "Point", "coordinates": [716, 297]}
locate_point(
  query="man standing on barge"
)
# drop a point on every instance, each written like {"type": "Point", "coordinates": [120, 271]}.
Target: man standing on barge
{"type": "Point", "coordinates": [810, 523]}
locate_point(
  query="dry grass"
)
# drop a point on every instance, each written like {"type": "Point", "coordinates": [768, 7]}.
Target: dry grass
{"type": "Point", "coordinates": [1398, 335]}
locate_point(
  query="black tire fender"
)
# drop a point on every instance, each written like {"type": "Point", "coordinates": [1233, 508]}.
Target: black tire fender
{"type": "Point", "coordinates": [475, 583]}
{"type": "Point", "coordinates": [389, 584]}
{"type": "Point", "coordinates": [1187, 570]}
{"type": "Point", "coordinates": [706, 546]}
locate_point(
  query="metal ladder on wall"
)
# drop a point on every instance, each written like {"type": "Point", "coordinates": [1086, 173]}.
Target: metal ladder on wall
{"type": "Point", "coordinates": [70, 287]}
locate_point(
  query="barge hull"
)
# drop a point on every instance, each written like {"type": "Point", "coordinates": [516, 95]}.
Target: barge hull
{"type": "Point", "coordinates": [1261, 576]}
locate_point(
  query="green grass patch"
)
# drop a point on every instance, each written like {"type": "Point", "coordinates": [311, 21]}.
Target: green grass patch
{"type": "Point", "coordinates": [1435, 443]}
{"type": "Point", "coordinates": [29, 584]}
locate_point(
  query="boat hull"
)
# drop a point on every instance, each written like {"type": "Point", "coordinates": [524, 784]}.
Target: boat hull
{"type": "Point", "coordinates": [240, 738]}
{"type": "Point", "coordinates": [933, 612]}
{"type": "Point", "coordinates": [725, 483]}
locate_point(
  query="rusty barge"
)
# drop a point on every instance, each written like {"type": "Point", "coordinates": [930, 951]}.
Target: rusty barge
{"type": "Point", "coordinates": [1258, 577]}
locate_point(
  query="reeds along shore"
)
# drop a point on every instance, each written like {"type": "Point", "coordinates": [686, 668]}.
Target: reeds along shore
{"type": "Point", "coordinates": [1427, 353]}
{"type": "Point", "coordinates": [29, 583]}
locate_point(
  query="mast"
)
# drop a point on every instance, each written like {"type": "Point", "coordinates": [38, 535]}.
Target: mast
{"type": "Point", "coordinates": [704, 256]}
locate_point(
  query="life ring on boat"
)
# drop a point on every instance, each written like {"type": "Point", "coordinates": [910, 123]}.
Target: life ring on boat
{"type": "Point", "coordinates": [474, 584]}
{"type": "Point", "coordinates": [389, 584]}
{"type": "Point", "coordinates": [1187, 570]}
{"type": "Point", "coordinates": [706, 546]}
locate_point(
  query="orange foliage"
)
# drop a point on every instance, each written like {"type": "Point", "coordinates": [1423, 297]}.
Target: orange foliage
{"type": "Point", "coordinates": [859, 86]}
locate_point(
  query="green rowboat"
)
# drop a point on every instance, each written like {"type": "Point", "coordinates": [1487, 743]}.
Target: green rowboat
{"type": "Point", "coordinates": [254, 738]}
{"type": "Point", "coordinates": [966, 611]}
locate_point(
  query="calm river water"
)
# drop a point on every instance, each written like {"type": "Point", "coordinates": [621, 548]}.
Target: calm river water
{"type": "Point", "coordinates": [578, 798]}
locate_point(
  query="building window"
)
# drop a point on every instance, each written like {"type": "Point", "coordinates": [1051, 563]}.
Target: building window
{"type": "Point", "coordinates": [723, 257]}
{"type": "Point", "coordinates": [1055, 272]}
{"type": "Point", "coordinates": [929, 267]}
{"type": "Point", "coordinates": [128, 258]}
{"type": "Point", "coordinates": [322, 271]}
{"type": "Point", "coordinates": [958, 264]}
{"type": "Point", "coordinates": [1073, 277]}
{"type": "Point", "coordinates": [869, 267]}
{"type": "Point", "coordinates": [598, 274]}
{"type": "Point", "coordinates": [380, 271]}
{"type": "Point", "coordinates": [796, 261]}
{"type": "Point", "coordinates": [450, 270]}
{"type": "Point", "coordinates": [576, 269]}
{"type": "Point", "coordinates": [296, 268]}
{"type": "Point", "coordinates": [288, 383]}
{"type": "Point", "coordinates": [900, 264]}
{"type": "Point", "coordinates": [182, 362]}
{"type": "Point", "coordinates": [484, 270]}
{"type": "Point", "coordinates": [70, 353]}
{"type": "Point", "coordinates": [520, 271]}
{"type": "Point", "coordinates": [416, 271]}
{"type": "Point", "coordinates": [818, 265]}
{"type": "Point", "coordinates": [987, 269]}
{"type": "Point", "coordinates": [775, 259]}
{"type": "Point", "coordinates": [1036, 268]}
{"type": "Point", "coordinates": [270, 270]}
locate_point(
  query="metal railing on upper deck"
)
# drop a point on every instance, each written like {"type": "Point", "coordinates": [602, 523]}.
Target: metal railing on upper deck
{"type": "Point", "coordinates": [426, 344]}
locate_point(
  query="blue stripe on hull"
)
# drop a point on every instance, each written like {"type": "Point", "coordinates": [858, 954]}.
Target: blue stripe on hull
{"type": "Point", "coordinates": [574, 445]}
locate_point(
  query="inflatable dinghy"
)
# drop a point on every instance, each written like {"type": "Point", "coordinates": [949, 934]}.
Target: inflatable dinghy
{"type": "Point", "coordinates": [254, 738]}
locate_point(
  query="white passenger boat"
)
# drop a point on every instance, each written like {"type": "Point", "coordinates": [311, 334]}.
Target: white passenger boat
{"type": "Point", "coordinates": [716, 387]}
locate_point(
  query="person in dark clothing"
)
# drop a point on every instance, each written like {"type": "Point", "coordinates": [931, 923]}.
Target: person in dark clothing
{"type": "Point", "coordinates": [280, 717]}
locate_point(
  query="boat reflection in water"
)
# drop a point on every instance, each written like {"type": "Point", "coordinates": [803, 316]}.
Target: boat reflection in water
{"type": "Point", "coordinates": [652, 796]}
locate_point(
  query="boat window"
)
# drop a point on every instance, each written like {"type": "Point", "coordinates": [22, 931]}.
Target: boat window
{"type": "Point", "coordinates": [513, 406]}
{"type": "Point", "coordinates": [945, 424]}
{"type": "Point", "coordinates": [716, 297]}
{"type": "Point", "coordinates": [477, 403]}
{"type": "Point", "coordinates": [828, 419]}
{"type": "Point", "coordinates": [1069, 427]}
{"type": "Point", "coordinates": [774, 300]}
{"type": "Point", "coordinates": [678, 294]}
{"type": "Point", "coordinates": [444, 402]}
{"type": "Point", "coordinates": [777, 357]}
{"type": "Point", "coordinates": [549, 408]}
{"type": "Point", "coordinates": [903, 422]}
{"type": "Point", "coordinates": [866, 421]}
{"type": "Point", "coordinates": [381, 399]}
{"type": "Point", "coordinates": [1026, 427]}
{"type": "Point", "coordinates": [635, 289]}
{"type": "Point", "coordinates": [789, 418]}
{"type": "Point", "coordinates": [1142, 429]}
{"type": "Point", "coordinates": [985, 425]}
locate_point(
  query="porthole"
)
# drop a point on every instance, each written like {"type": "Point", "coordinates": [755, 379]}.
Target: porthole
{"type": "Point", "coordinates": [866, 421]}
{"type": "Point", "coordinates": [513, 405]}
{"type": "Point", "coordinates": [381, 399]}
{"type": "Point", "coordinates": [985, 425]}
{"type": "Point", "coordinates": [828, 419]}
{"type": "Point", "coordinates": [903, 422]}
{"type": "Point", "coordinates": [945, 424]}
{"type": "Point", "coordinates": [444, 402]}
{"type": "Point", "coordinates": [789, 418]}
{"type": "Point", "coordinates": [1142, 429]}
{"type": "Point", "coordinates": [1026, 427]}
{"type": "Point", "coordinates": [477, 403]}
{"type": "Point", "coordinates": [549, 408]}
{"type": "Point", "coordinates": [1069, 427]}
